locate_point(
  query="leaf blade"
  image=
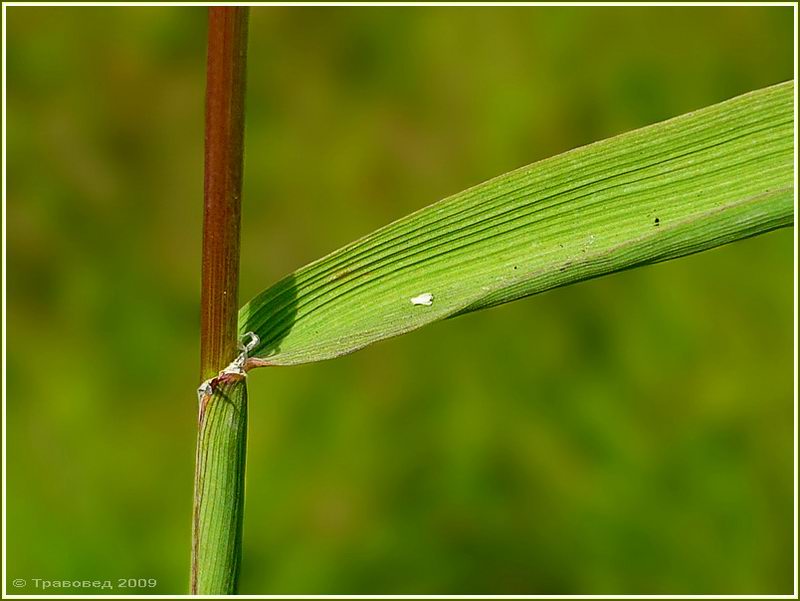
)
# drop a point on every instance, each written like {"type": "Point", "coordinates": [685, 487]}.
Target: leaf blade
{"type": "Point", "coordinates": [670, 189]}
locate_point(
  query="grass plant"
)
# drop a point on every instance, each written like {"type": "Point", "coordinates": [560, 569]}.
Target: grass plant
{"type": "Point", "coordinates": [700, 180]}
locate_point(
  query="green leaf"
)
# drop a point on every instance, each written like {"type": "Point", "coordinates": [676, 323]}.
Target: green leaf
{"type": "Point", "coordinates": [694, 182]}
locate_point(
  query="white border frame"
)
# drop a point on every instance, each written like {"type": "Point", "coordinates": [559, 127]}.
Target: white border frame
{"type": "Point", "coordinates": [5, 594]}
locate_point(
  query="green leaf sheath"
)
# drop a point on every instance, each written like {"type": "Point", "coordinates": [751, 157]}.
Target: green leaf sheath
{"type": "Point", "coordinates": [694, 182]}
{"type": "Point", "coordinates": [219, 489]}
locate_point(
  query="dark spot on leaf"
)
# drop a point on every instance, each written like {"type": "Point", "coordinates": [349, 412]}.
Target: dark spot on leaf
{"type": "Point", "coordinates": [515, 266]}
{"type": "Point", "coordinates": [657, 221]}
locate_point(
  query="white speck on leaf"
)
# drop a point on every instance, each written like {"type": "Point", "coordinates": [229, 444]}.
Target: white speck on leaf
{"type": "Point", "coordinates": [423, 299]}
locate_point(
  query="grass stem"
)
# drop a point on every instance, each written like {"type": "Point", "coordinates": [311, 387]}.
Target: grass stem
{"type": "Point", "coordinates": [222, 422]}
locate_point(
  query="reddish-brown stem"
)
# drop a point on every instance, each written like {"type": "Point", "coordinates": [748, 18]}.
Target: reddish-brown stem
{"type": "Point", "coordinates": [222, 423]}
{"type": "Point", "coordinates": [227, 58]}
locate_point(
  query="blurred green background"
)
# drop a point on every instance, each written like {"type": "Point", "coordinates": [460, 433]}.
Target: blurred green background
{"type": "Point", "coordinates": [631, 434]}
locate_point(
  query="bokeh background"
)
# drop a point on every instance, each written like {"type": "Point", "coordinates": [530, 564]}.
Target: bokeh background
{"type": "Point", "coordinates": [631, 434]}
